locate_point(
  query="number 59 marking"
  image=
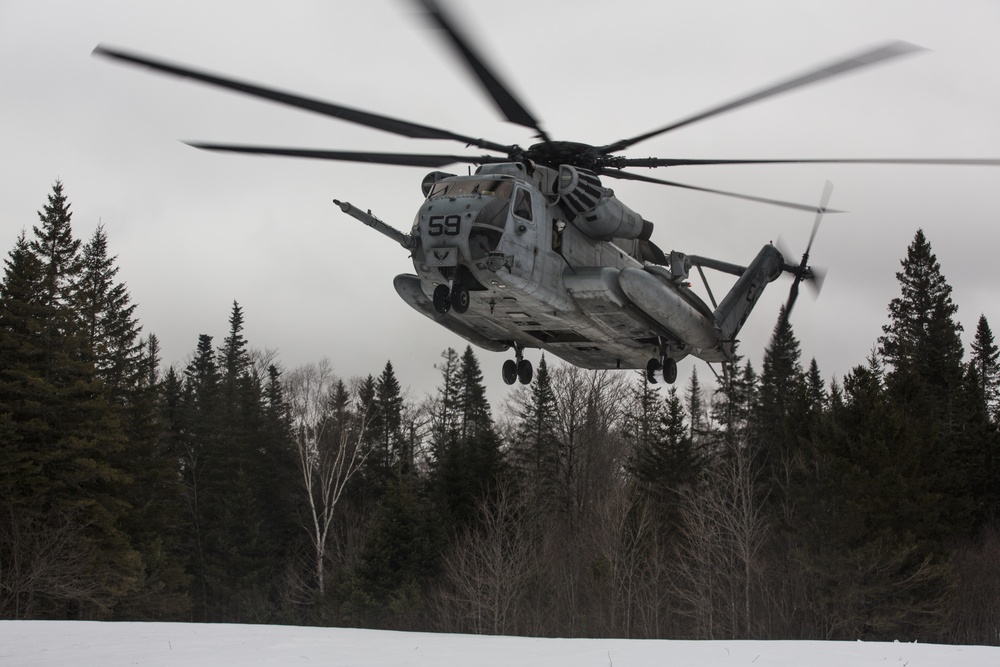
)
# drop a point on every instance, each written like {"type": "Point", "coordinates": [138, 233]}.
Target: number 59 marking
{"type": "Point", "coordinates": [448, 225]}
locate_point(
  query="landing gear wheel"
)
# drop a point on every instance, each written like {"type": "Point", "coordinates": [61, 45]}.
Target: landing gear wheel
{"type": "Point", "coordinates": [652, 366]}
{"type": "Point", "coordinates": [442, 299]}
{"type": "Point", "coordinates": [510, 371]}
{"type": "Point", "coordinates": [460, 298]}
{"type": "Point", "coordinates": [524, 371]}
{"type": "Point", "coordinates": [669, 371]}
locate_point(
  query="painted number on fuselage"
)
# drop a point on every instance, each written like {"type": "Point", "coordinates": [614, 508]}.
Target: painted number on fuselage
{"type": "Point", "coordinates": [444, 225]}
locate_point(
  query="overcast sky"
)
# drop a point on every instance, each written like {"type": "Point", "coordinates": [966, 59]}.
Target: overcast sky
{"type": "Point", "coordinates": [196, 230]}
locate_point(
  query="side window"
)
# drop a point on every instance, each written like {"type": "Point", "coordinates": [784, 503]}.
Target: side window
{"type": "Point", "coordinates": [522, 204]}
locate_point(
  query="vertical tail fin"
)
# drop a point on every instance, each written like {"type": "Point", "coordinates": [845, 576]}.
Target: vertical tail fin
{"type": "Point", "coordinates": [737, 304]}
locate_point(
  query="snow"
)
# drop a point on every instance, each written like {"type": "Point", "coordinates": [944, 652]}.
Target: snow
{"type": "Point", "coordinates": [96, 644]}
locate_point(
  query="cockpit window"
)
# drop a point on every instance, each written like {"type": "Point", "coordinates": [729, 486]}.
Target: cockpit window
{"type": "Point", "coordinates": [490, 187]}
{"type": "Point", "coordinates": [522, 204]}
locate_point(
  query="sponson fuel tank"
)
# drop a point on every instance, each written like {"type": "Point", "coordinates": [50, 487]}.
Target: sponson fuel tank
{"type": "Point", "coordinates": [660, 300]}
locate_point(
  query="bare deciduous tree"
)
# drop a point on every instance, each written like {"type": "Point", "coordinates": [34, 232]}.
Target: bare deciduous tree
{"type": "Point", "coordinates": [328, 431]}
{"type": "Point", "coordinates": [489, 567]}
{"type": "Point", "coordinates": [725, 527]}
{"type": "Point", "coordinates": [47, 564]}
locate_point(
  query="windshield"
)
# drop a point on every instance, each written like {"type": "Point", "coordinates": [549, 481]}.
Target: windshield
{"type": "Point", "coordinates": [490, 187]}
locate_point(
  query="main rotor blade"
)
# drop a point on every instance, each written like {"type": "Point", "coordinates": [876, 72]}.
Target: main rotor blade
{"type": "Point", "coordinates": [403, 159]}
{"type": "Point", "coordinates": [509, 106]}
{"type": "Point", "coordinates": [823, 201]}
{"type": "Point", "coordinates": [629, 176]}
{"type": "Point", "coordinates": [835, 68]}
{"type": "Point", "coordinates": [385, 123]}
{"type": "Point", "coordinates": [652, 162]}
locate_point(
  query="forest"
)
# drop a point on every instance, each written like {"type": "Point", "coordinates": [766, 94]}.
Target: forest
{"type": "Point", "coordinates": [773, 504]}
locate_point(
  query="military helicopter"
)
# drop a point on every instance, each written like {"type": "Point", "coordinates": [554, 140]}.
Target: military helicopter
{"type": "Point", "coordinates": [532, 250]}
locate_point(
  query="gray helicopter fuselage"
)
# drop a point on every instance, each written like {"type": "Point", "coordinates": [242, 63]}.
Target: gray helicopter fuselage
{"type": "Point", "coordinates": [536, 281]}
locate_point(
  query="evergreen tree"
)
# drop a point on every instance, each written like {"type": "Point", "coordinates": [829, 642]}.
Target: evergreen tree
{"type": "Point", "coordinates": [777, 424]}
{"type": "Point", "coordinates": [921, 341]}
{"type": "Point", "coordinates": [986, 364]}
{"type": "Point", "coordinates": [695, 408]}
{"type": "Point", "coordinates": [59, 252]}
{"type": "Point", "coordinates": [536, 447]}
{"type": "Point", "coordinates": [664, 460]}
{"type": "Point", "coordinates": [983, 385]}
{"type": "Point", "coordinates": [109, 326]}
{"type": "Point", "coordinates": [734, 402]}
{"type": "Point", "coordinates": [816, 395]}
{"type": "Point", "coordinates": [385, 422]}
{"type": "Point", "coordinates": [399, 561]}
{"type": "Point", "coordinates": [154, 522]}
{"type": "Point", "coordinates": [196, 426]}
{"type": "Point", "coordinates": [866, 520]}
{"type": "Point", "coordinates": [926, 382]}
{"type": "Point", "coordinates": [62, 437]}
{"type": "Point", "coordinates": [467, 459]}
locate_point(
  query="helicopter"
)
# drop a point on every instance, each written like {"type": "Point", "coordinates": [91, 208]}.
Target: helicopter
{"type": "Point", "coordinates": [533, 250]}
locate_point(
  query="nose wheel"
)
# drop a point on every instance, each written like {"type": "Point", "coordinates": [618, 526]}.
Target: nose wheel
{"type": "Point", "coordinates": [442, 299]}
{"type": "Point", "coordinates": [445, 298]}
{"type": "Point", "coordinates": [517, 370]}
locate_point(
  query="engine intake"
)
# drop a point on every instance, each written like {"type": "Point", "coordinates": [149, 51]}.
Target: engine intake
{"type": "Point", "coordinates": [595, 209]}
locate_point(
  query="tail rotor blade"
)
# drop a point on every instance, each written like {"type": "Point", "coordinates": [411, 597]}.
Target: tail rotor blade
{"type": "Point", "coordinates": [803, 272]}
{"type": "Point", "coordinates": [818, 276]}
{"type": "Point", "coordinates": [823, 201]}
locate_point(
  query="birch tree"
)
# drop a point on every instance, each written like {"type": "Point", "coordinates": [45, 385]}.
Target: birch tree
{"type": "Point", "coordinates": [328, 428]}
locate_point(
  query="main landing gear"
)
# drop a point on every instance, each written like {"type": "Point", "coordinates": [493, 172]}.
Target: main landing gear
{"type": "Point", "coordinates": [454, 296]}
{"type": "Point", "coordinates": [669, 370]}
{"type": "Point", "coordinates": [517, 369]}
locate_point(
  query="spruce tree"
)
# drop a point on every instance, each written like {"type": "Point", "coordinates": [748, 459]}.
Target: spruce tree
{"type": "Point", "coordinates": [777, 423]}
{"type": "Point", "coordinates": [694, 402]}
{"type": "Point", "coordinates": [665, 461]}
{"type": "Point", "coordinates": [467, 458]}
{"type": "Point", "coordinates": [734, 403]}
{"type": "Point", "coordinates": [986, 364]}
{"type": "Point", "coordinates": [196, 427]}
{"type": "Point", "coordinates": [157, 514]}
{"type": "Point", "coordinates": [922, 346]}
{"type": "Point", "coordinates": [816, 394]}
{"type": "Point", "coordinates": [109, 326]}
{"type": "Point", "coordinates": [385, 423]}
{"type": "Point", "coordinates": [59, 252]}
{"type": "Point", "coordinates": [866, 520]}
{"type": "Point", "coordinates": [62, 437]}
{"type": "Point", "coordinates": [536, 447]}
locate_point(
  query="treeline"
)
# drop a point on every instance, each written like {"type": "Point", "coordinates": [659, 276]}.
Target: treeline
{"type": "Point", "coordinates": [778, 505]}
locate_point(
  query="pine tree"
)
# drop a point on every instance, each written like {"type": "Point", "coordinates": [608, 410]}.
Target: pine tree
{"type": "Point", "coordinates": [816, 395]}
{"type": "Point", "coordinates": [777, 424]}
{"type": "Point", "coordinates": [59, 253]}
{"type": "Point", "coordinates": [664, 461]}
{"type": "Point", "coordinates": [196, 426]}
{"type": "Point", "coordinates": [921, 341]}
{"type": "Point", "coordinates": [734, 403]}
{"type": "Point", "coordinates": [109, 326]}
{"type": "Point", "coordinates": [926, 381]}
{"type": "Point", "coordinates": [866, 519]}
{"type": "Point", "coordinates": [467, 458]}
{"type": "Point", "coordinates": [986, 364]}
{"type": "Point", "coordinates": [536, 448]}
{"type": "Point", "coordinates": [62, 437]}
{"type": "Point", "coordinates": [385, 423]}
{"type": "Point", "coordinates": [983, 382]}
{"type": "Point", "coordinates": [695, 408]}
{"type": "Point", "coordinates": [157, 514]}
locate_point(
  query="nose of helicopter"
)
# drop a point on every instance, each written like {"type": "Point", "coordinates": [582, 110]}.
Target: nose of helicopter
{"type": "Point", "coordinates": [472, 226]}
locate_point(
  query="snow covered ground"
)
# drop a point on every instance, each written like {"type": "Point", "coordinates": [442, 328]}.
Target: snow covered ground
{"type": "Point", "coordinates": [91, 644]}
